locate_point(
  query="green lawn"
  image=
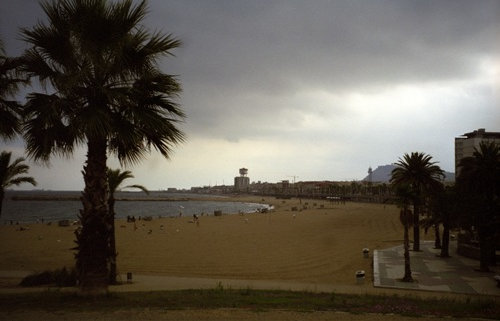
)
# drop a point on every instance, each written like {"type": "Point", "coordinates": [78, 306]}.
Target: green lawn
{"type": "Point", "coordinates": [257, 300]}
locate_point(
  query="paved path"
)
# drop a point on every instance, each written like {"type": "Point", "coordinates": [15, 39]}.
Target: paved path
{"type": "Point", "coordinates": [431, 273]}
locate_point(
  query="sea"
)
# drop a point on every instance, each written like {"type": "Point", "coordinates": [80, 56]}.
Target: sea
{"type": "Point", "coordinates": [18, 209]}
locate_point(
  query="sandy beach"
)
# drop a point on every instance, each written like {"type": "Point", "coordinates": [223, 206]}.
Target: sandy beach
{"type": "Point", "coordinates": [320, 242]}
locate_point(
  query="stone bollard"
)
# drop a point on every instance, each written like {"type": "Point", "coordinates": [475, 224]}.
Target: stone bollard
{"type": "Point", "coordinates": [366, 253]}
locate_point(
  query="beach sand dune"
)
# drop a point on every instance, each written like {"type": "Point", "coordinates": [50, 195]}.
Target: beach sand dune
{"type": "Point", "coordinates": [320, 242]}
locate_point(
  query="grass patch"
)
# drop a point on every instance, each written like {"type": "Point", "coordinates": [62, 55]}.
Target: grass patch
{"type": "Point", "coordinates": [258, 300]}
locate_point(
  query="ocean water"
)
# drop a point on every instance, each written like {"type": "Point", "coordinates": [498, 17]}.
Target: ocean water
{"type": "Point", "coordinates": [30, 211]}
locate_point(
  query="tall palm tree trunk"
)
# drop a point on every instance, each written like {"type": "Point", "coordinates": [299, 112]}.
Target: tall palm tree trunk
{"type": "Point", "coordinates": [437, 238]}
{"type": "Point", "coordinates": [484, 252]}
{"type": "Point", "coordinates": [491, 239]}
{"type": "Point", "coordinates": [445, 252]}
{"type": "Point", "coordinates": [486, 243]}
{"type": "Point", "coordinates": [407, 277]}
{"type": "Point", "coordinates": [416, 226]}
{"type": "Point", "coordinates": [2, 194]}
{"type": "Point", "coordinates": [112, 242]}
{"type": "Point", "coordinates": [93, 238]}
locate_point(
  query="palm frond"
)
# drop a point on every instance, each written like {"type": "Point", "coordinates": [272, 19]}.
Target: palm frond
{"type": "Point", "coordinates": [415, 174]}
{"type": "Point", "coordinates": [23, 179]}
{"type": "Point", "coordinates": [9, 172]}
{"type": "Point", "coordinates": [481, 172]}
{"type": "Point", "coordinates": [416, 169]}
{"type": "Point", "coordinates": [110, 78]}
{"type": "Point", "coordinates": [142, 188]}
{"type": "Point", "coordinates": [10, 81]}
{"type": "Point", "coordinates": [48, 128]}
{"type": "Point", "coordinates": [116, 177]}
{"type": "Point", "coordinates": [9, 123]}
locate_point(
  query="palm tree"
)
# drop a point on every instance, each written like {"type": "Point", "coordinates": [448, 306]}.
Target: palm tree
{"type": "Point", "coordinates": [108, 94]}
{"type": "Point", "coordinates": [432, 219]}
{"type": "Point", "coordinates": [10, 81]}
{"type": "Point", "coordinates": [420, 174]}
{"type": "Point", "coordinates": [405, 195]}
{"type": "Point", "coordinates": [443, 208]}
{"type": "Point", "coordinates": [479, 181]}
{"type": "Point", "coordinates": [10, 174]}
{"type": "Point", "coordinates": [115, 179]}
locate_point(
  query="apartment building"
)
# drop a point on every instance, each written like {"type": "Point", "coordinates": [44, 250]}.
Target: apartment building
{"type": "Point", "coordinates": [465, 144]}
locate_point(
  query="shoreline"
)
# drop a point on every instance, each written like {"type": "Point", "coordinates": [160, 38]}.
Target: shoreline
{"type": "Point", "coordinates": [78, 198]}
{"type": "Point", "coordinates": [209, 198]}
{"type": "Point", "coordinates": [30, 210]}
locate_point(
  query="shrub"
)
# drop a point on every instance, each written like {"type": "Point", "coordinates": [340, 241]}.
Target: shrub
{"type": "Point", "coordinates": [60, 278]}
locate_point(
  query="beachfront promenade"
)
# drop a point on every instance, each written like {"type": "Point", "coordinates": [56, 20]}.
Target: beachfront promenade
{"type": "Point", "coordinates": [455, 274]}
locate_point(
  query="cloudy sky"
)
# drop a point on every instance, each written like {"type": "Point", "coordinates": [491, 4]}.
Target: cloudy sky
{"type": "Point", "coordinates": [316, 90]}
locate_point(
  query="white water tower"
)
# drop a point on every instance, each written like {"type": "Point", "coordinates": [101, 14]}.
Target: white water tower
{"type": "Point", "coordinates": [242, 182]}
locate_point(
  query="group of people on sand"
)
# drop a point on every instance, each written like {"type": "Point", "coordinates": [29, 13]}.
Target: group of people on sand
{"type": "Point", "coordinates": [131, 219]}
{"type": "Point", "coordinates": [196, 219]}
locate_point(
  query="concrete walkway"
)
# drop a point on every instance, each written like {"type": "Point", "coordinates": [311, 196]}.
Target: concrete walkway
{"type": "Point", "coordinates": [456, 274]}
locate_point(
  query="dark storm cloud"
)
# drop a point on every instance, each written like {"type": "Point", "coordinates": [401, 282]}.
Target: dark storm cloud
{"type": "Point", "coordinates": [249, 44]}
{"type": "Point", "coordinates": [309, 75]}
{"type": "Point", "coordinates": [273, 47]}
{"type": "Point", "coordinates": [13, 16]}
{"type": "Point", "coordinates": [238, 49]}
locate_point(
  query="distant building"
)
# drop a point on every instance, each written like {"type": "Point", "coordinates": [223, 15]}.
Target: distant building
{"type": "Point", "coordinates": [465, 144]}
{"type": "Point", "coordinates": [242, 182]}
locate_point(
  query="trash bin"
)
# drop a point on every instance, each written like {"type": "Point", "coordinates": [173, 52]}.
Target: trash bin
{"type": "Point", "coordinates": [360, 277]}
{"type": "Point", "coordinates": [366, 252]}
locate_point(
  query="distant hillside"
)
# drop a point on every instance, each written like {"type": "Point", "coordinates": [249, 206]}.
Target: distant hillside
{"type": "Point", "coordinates": [383, 174]}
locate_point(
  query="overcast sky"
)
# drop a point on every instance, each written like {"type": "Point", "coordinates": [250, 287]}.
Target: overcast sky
{"type": "Point", "coordinates": [316, 90]}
